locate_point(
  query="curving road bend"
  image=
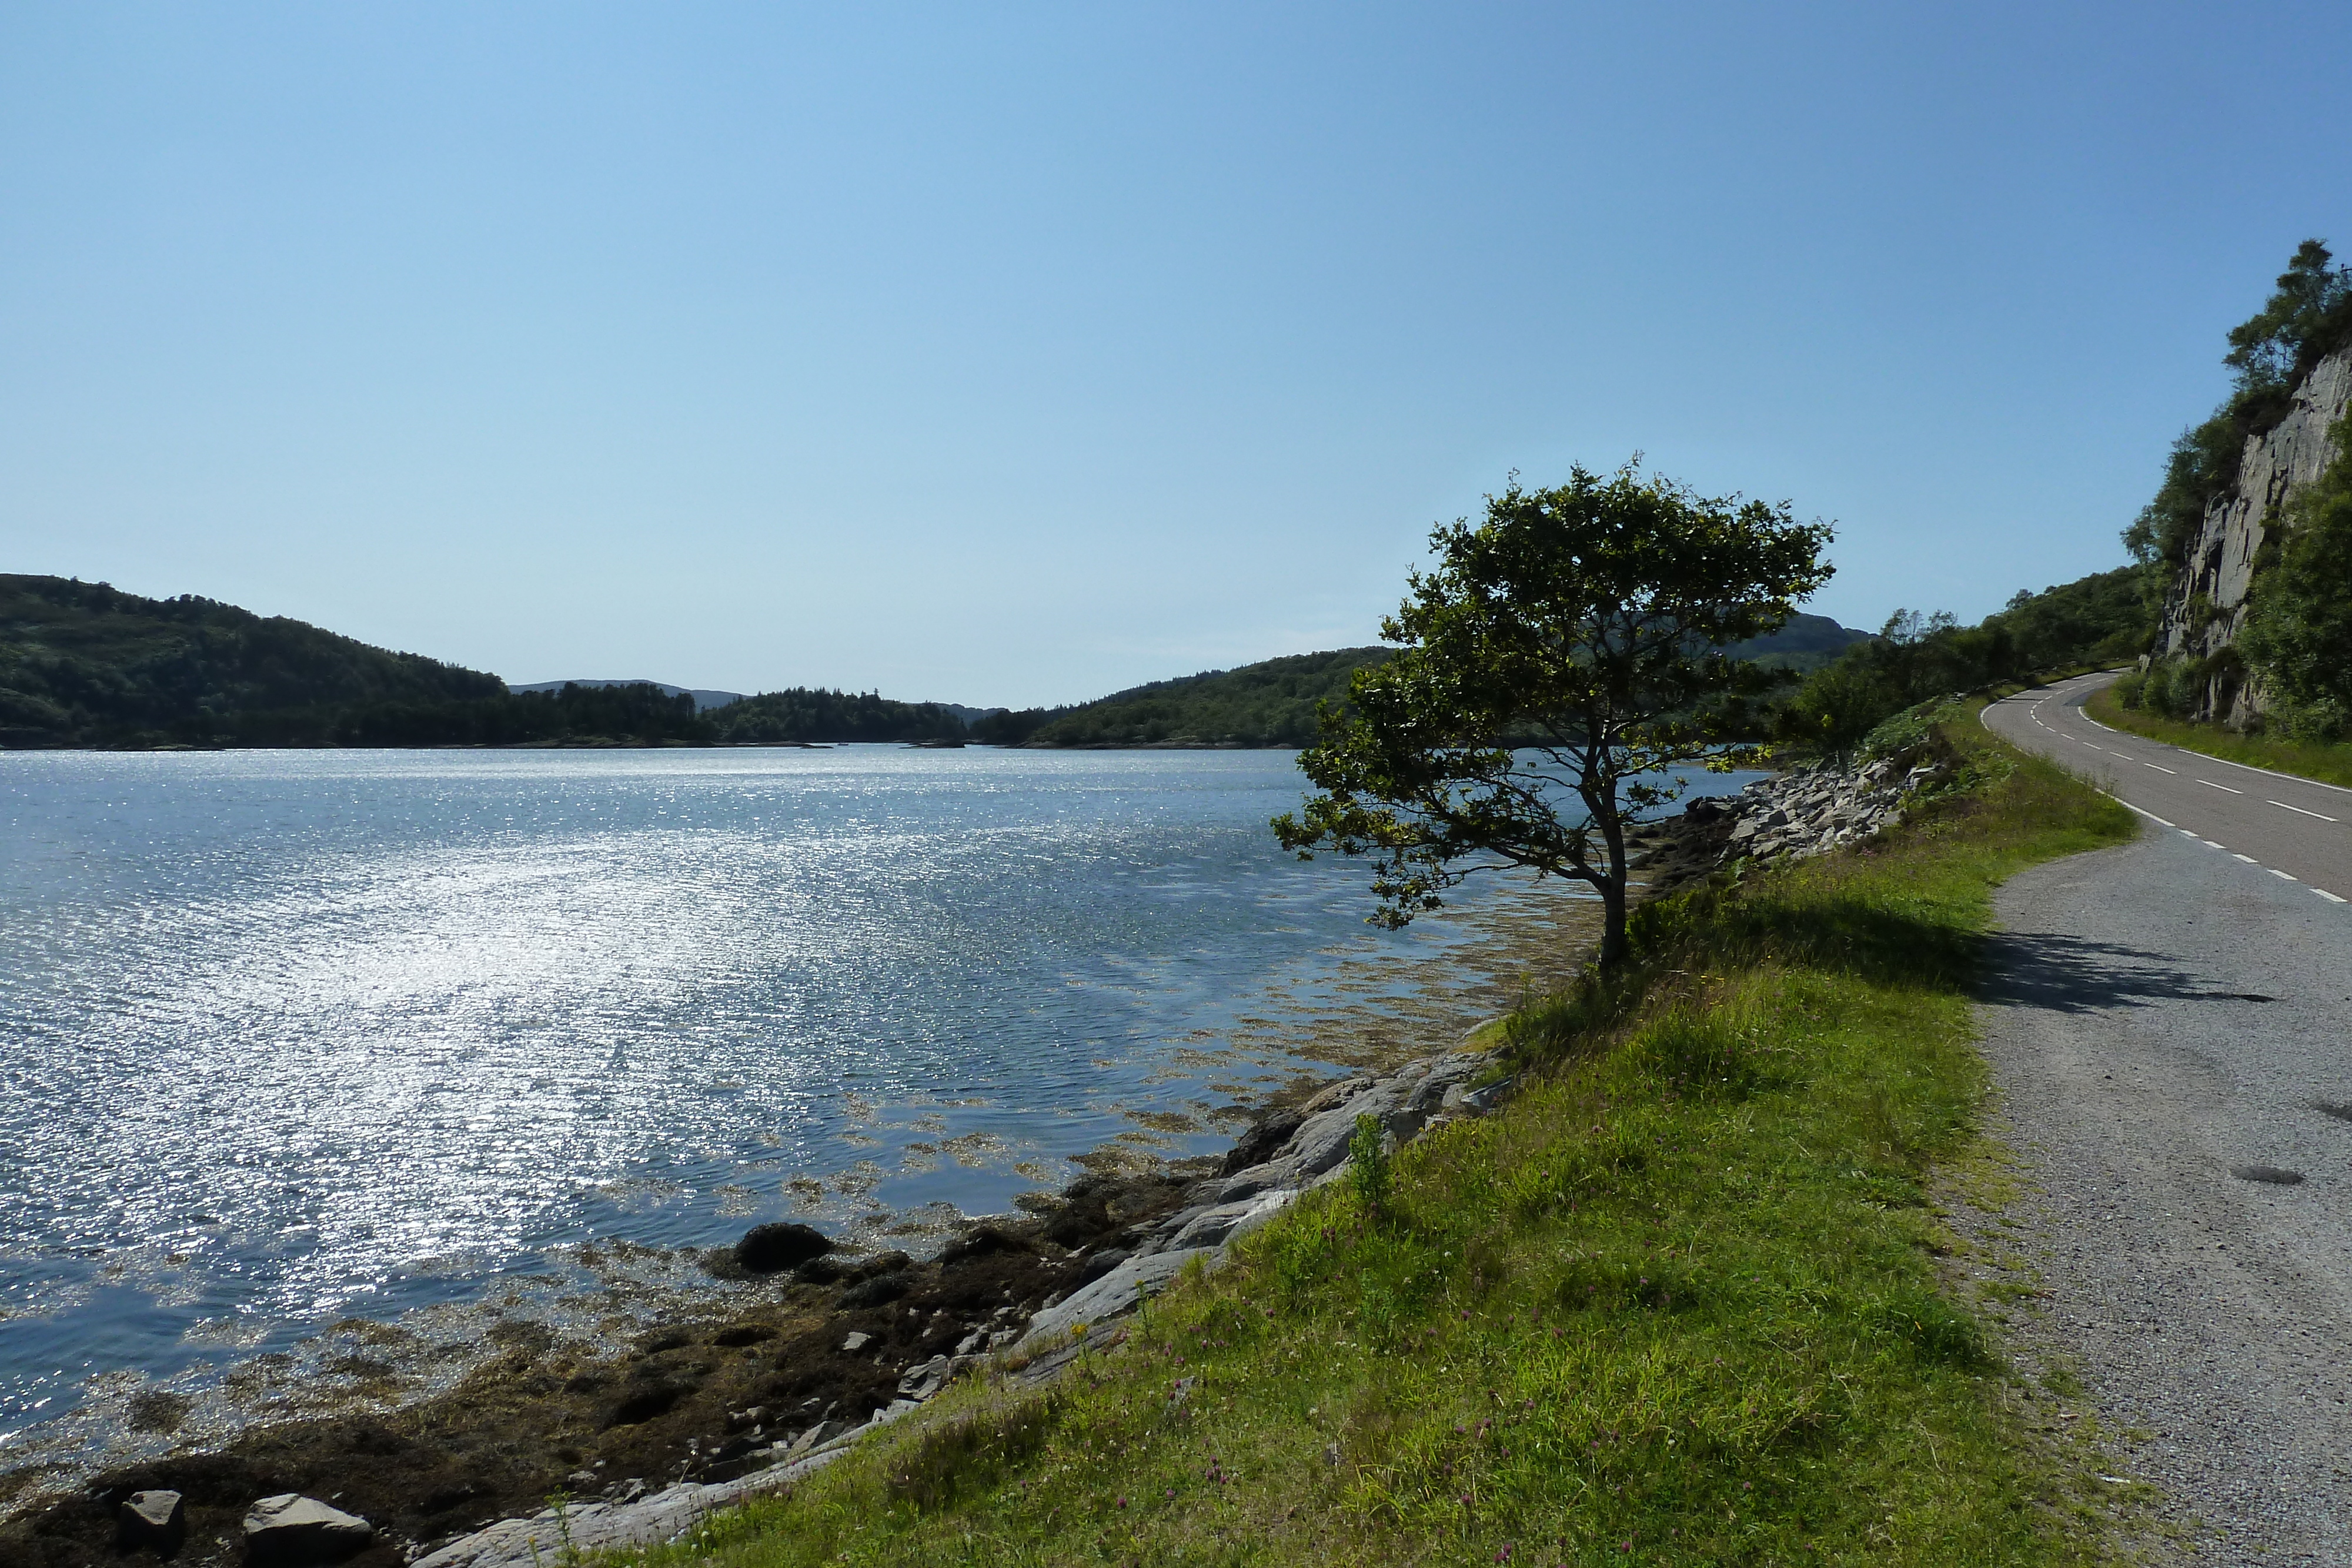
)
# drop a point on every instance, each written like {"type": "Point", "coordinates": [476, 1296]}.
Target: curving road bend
{"type": "Point", "coordinates": [2170, 1023]}
{"type": "Point", "coordinates": [2293, 827]}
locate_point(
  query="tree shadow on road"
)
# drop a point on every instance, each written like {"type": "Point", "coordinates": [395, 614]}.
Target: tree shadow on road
{"type": "Point", "coordinates": [2071, 974]}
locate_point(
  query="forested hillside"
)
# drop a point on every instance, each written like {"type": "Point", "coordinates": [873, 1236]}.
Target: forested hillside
{"type": "Point", "coordinates": [82, 664]}
{"type": "Point", "coordinates": [1274, 703]}
{"type": "Point", "coordinates": [1268, 704]}
{"type": "Point", "coordinates": [804, 713]}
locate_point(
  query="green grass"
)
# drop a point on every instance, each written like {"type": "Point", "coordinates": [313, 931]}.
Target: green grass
{"type": "Point", "coordinates": [1679, 1302]}
{"type": "Point", "coordinates": [2329, 762]}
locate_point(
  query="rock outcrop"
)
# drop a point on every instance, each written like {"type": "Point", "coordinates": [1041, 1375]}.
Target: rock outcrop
{"type": "Point", "coordinates": [2205, 607]}
{"type": "Point", "coordinates": [1810, 811]}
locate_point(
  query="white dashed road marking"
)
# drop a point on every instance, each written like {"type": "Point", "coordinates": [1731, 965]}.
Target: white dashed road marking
{"type": "Point", "coordinates": [2034, 712]}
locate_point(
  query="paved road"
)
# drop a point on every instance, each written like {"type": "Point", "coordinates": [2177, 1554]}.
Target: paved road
{"type": "Point", "coordinates": [2293, 827]}
{"type": "Point", "coordinates": [2168, 1024]}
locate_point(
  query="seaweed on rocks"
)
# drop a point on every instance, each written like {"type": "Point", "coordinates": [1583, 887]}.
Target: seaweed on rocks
{"type": "Point", "coordinates": [705, 1398]}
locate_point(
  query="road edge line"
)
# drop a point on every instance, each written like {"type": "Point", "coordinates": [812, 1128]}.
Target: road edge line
{"type": "Point", "coordinates": [2271, 772]}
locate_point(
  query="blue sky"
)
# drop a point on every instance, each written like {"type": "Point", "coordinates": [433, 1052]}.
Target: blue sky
{"type": "Point", "coordinates": [1013, 354]}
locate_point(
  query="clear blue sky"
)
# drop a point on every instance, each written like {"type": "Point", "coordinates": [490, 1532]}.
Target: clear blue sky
{"type": "Point", "coordinates": [1011, 354]}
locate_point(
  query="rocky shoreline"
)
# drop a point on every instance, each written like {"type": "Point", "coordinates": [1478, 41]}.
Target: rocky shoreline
{"type": "Point", "coordinates": [1309, 1148]}
{"type": "Point", "coordinates": [823, 1349]}
{"type": "Point", "coordinates": [638, 1441]}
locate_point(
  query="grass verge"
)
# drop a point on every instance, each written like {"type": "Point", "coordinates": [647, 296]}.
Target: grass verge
{"type": "Point", "coordinates": [2330, 762]}
{"type": "Point", "coordinates": [1678, 1302]}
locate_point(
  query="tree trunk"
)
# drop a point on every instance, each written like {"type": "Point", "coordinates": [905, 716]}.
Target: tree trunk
{"type": "Point", "coordinates": [1612, 893]}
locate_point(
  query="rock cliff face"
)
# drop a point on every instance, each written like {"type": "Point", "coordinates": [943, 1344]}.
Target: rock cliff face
{"type": "Point", "coordinates": [2206, 608]}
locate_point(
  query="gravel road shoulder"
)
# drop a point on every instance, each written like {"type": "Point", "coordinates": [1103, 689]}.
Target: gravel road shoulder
{"type": "Point", "coordinates": [2168, 1030]}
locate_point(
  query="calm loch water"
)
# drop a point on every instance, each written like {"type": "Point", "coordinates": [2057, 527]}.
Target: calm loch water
{"type": "Point", "coordinates": [288, 1038]}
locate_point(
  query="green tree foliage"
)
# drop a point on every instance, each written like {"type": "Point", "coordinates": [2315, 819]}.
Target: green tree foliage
{"type": "Point", "coordinates": [1588, 623]}
{"type": "Point", "coordinates": [2299, 631]}
{"type": "Point", "coordinates": [1012, 727]}
{"type": "Point", "coordinates": [2092, 620]}
{"type": "Point", "coordinates": [807, 714]}
{"type": "Point", "coordinates": [2308, 317]}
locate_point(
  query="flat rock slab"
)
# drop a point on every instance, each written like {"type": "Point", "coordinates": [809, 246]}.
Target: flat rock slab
{"type": "Point", "coordinates": [540, 1540]}
{"type": "Point", "coordinates": [1210, 1226]}
{"type": "Point", "coordinates": [1117, 1293]}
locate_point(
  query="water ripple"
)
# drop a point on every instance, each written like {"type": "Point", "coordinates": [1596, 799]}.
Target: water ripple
{"type": "Point", "coordinates": [291, 1037]}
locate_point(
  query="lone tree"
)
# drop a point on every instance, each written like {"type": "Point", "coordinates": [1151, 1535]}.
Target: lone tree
{"type": "Point", "coordinates": [1559, 658]}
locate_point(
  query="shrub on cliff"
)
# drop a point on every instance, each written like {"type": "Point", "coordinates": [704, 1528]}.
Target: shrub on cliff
{"type": "Point", "coordinates": [2307, 318]}
{"type": "Point", "coordinates": [2299, 630]}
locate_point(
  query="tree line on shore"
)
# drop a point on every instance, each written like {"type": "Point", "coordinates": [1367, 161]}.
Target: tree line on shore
{"type": "Point", "coordinates": [84, 664]}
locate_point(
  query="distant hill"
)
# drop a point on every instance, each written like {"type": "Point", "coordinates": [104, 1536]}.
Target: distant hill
{"type": "Point", "coordinates": [809, 714]}
{"type": "Point", "coordinates": [1806, 642]}
{"type": "Point", "coordinates": [1267, 704]}
{"type": "Point", "coordinates": [82, 664]}
{"type": "Point", "coordinates": [1274, 703]}
{"type": "Point", "coordinates": [704, 701]}
{"type": "Point", "coordinates": [969, 715]}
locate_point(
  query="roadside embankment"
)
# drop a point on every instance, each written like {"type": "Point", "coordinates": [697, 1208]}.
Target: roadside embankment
{"type": "Point", "coordinates": [2330, 762]}
{"type": "Point", "coordinates": [1681, 1297]}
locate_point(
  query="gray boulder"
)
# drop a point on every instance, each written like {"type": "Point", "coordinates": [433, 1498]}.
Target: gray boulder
{"type": "Point", "coordinates": [153, 1521]}
{"type": "Point", "coordinates": [290, 1529]}
{"type": "Point", "coordinates": [922, 1382]}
